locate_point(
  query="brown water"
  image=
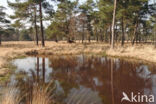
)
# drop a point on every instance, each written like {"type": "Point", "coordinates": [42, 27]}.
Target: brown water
{"type": "Point", "coordinates": [88, 79]}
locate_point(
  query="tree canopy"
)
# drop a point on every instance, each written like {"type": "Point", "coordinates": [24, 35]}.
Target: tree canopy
{"type": "Point", "coordinates": [91, 20]}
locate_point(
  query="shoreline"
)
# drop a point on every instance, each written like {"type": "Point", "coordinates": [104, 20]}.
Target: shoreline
{"type": "Point", "coordinates": [12, 50]}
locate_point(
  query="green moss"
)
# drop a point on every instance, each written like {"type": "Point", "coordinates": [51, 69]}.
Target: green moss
{"type": "Point", "coordinates": [10, 68]}
{"type": "Point", "coordinates": [19, 57]}
{"type": "Point", "coordinates": [4, 78]}
{"type": "Point", "coordinates": [103, 54]}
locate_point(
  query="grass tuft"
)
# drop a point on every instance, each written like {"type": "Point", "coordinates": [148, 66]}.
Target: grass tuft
{"type": "Point", "coordinates": [41, 95]}
{"type": "Point", "coordinates": [11, 96]}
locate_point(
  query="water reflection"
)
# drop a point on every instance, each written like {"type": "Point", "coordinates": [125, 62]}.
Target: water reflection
{"type": "Point", "coordinates": [87, 80]}
{"type": "Point", "coordinates": [32, 74]}
{"type": "Point", "coordinates": [37, 68]}
{"type": "Point", "coordinates": [112, 83]}
{"type": "Point", "coordinates": [43, 69]}
{"type": "Point", "coordinates": [33, 67]}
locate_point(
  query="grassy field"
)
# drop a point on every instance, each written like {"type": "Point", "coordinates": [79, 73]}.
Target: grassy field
{"type": "Point", "coordinates": [11, 50]}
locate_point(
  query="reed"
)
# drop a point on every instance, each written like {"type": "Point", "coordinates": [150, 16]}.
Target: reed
{"type": "Point", "coordinates": [41, 95]}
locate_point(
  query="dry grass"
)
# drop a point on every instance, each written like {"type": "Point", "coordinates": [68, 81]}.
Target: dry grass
{"type": "Point", "coordinates": [41, 95]}
{"type": "Point", "coordinates": [142, 52]}
{"type": "Point", "coordinates": [11, 96]}
{"type": "Point", "coordinates": [14, 49]}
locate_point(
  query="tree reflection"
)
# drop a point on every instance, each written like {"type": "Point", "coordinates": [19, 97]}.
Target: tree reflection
{"type": "Point", "coordinates": [32, 80]}
{"type": "Point", "coordinates": [38, 69]}
{"type": "Point", "coordinates": [43, 69]}
{"type": "Point", "coordinates": [98, 73]}
{"type": "Point", "coordinates": [112, 88]}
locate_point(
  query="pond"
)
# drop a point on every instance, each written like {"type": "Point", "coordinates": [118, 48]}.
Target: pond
{"type": "Point", "coordinates": [89, 79]}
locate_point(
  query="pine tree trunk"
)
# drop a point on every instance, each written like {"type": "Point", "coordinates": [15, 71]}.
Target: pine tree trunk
{"type": "Point", "coordinates": [96, 34]}
{"type": "Point", "coordinates": [106, 36]}
{"type": "Point", "coordinates": [38, 69]}
{"type": "Point", "coordinates": [110, 35]}
{"type": "Point", "coordinates": [101, 35]}
{"type": "Point", "coordinates": [0, 39]}
{"type": "Point", "coordinates": [123, 32]}
{"type": "Point", "coordinates": [113, 24]}
{"type": "Point", "coordinates": [83, 34]}
{"type": "Point", "coordinates": [89, 38]}
{"type": "Point", "coordinates": [155, 38]}
{"type": "Point", "coordinates": [41, 23]}
{"type": "Point", "coordinates": [36, 30]}
{"type": "Point", "coordinates": [82, 37]}
{"type": "Point", "coordinates": [97, 39]}
{"type": "Point", "coordinates": [116, 35]}
{"type": "Point", "coordinates": [43, 69]}
{"type": "Point", "coordinates": [134, 34]}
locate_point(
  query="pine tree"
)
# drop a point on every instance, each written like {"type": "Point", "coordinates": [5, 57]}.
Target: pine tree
{"type": "Point", "coordinates": [25, 10]}
{"type": "Point", "coordinates": [87, 10]}
{"type": "Point", "coordinates": [3, 21]}
{"type": "Point", "coordinates": [63, 19]}
{"type": "Point", "coordinates": [105, 15]}
{"type": "Point", "coordinates": [28, 10]}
